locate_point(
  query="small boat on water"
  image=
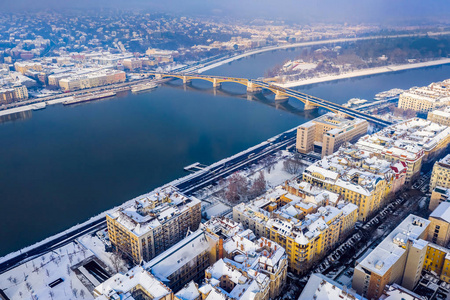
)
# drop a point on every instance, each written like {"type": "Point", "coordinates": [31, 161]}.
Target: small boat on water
{"type": "Point", "coordinates": [89, 97]}
{"type": "Point", "coordinates": [144, 87]}
{"type": "Point", "coordinates": [389, 95]}
{"type": "Point", "coordinates": [354, 102]}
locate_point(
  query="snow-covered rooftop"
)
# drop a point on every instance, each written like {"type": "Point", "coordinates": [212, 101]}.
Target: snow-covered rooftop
{"type": "Point", "coordinates": [179, 255]}
{"type": "Point", "coordinates": [320, 287]}
{"type": "Point", "coordinates": [138, 278]}
{"type": "Point", "coordinates": [387, 253]}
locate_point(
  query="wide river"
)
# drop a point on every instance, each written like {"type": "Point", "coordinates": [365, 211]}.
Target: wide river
{"type": "Point", "coordinates": [62, 165]}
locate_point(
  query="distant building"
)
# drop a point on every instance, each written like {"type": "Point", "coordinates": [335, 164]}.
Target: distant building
{"type": "Point", "coordinates": [132, 64]}
{"type": "Point", "coordinates": [20, 92]}
{"type": "Point", "coordinates": [439, 229]}
{"type": "Point", "coordinates": [413, 141]}
{"type": "Point", "coordinates": [426, 99]}
{"type": "Point", "coordinates": [94, 79]}
{"type": "Point", "coordinates": [441, 117]}
{"type": "Point", "coordinates": [6, 95]}
{"type": "Point", "coordinates": [137, 283]}
{"type": "Point", "coordinates": [440, 176]}
{"type": "Point", "coordinates": [23, 67]}
{"type": "Point", "coordinates": [328, 132]}
{"type": "Point", "coordinates": [153, 223]}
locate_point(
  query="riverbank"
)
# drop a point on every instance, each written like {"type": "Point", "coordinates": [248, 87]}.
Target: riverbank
{"type": "Point", "coordinates": [366, 72]}
{"type": "Point", "coordinates": [311, 43]}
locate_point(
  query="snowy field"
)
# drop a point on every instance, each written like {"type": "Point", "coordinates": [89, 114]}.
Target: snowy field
{"type": "Point", "coordinates": [31, 280]}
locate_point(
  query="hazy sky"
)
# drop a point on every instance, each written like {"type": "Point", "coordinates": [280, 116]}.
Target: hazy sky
{"type": "Point", "coordinates": [379, 11]}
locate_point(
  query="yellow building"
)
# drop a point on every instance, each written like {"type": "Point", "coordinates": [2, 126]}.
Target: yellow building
{"type": "Point", "coordinates": [423, 99]}
{"type": "Point", "coordinates": [23, 67]}
{"type": "Point", "coordinates": [439, 230]}
{"type": "Point", "coordinates": [441, 117]}
{"type": "Point", "coordinates": [365, 189]}
{"type": "Point", "coordinates": [306, 237]}
{"type": "Point", "coordinates": [438, 195]}
{"type": "Point", "coordinates": [413, 141]}
{"type": "Point", "coordinates": [153, 223]}
{"type": "Point", "coordinates": [399, 258]}
{"type": "Point", "coordinates": [328, 132]}
{"type": "Point", "coordinates": [440, 177]}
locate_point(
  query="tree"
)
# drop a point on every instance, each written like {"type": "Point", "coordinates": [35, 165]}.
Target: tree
{"type": "Point", "coordinates": [82, 293]}
{"type": "Point", "coordinates": [237, 189]}
{"type": "Point", "coordinates": [116, 260]}
{"type": "Point", "coordinates": [293, 165]}
{"type": "Point", "coordinates": [258, 186]}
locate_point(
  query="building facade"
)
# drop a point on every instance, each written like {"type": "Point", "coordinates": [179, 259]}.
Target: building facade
{"type": "Point", "coordinates": [328, 133]}
{"type": "Point", "coordinates": [440, 176]}
{"type": "Point", "coordinates": [153, 223]}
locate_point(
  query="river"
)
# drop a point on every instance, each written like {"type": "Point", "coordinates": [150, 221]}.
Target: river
{"type": "Point", "coordinates": [62, 165]}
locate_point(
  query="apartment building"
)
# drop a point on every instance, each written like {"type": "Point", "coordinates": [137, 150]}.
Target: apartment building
{"type": "Point", "coordinates": [426, 99]}
{"type": "Point", "coordinates": [327, 133]}
{"type": "Point", "coordinates": [132, 64]}
{"type": "Point", "coordinates": [94, 79]}
{"type": "Point", "coordinates": [306, 237]}
{"type": "Point", "coordinates": [413, 141]}
{"type": "Point", "coordinates": [185, 261]}
{"type": "Point", "coordinates": [356, 185]}
{"type": "Point", "coordinates": [440, 176]}
{"type": "Point", "coordinates": [152, 223]}
{"type": "Point", "coordinates": [250, 269]}
{"type": "Point", "coordinates": [438, 196]}
{"type": "Point", "coordinates": [23, 67]}
{"type": "Point", "coordinates": [439, 229]}
{"type": "Point", "coordinates": [441, 117]}
{"type": "Point", "coordinates": [397, 259]}
{"type": "Point", "coordinates": [263, 255]}
{"type": "Point", "coordinates": [137, 283]}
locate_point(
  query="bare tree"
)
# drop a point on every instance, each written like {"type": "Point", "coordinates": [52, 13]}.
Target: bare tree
{"type": "Point", "coordinates": [116, 260]}
{"type": "Point", "coordinates": [237, 189]}
{"type": "Point", "coordinates": [293, 165]}
{"type": "Point", "coordinates": [258, 185]}
{"type": "Point", "coordinates": [51, 294]}
{"type": "Point", "coordinates": [75, 292]}
{"type": "Point", "coordinates": [82, 293]}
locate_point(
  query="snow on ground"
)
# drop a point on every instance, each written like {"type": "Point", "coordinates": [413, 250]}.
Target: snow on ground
{"type": "Point", "coordinates": [276, 175]}
{"type": "Point", "coordinates": [30, 280]}
{"type": "Point", "coordinates": [96, 246]}
{"type": "Point", "coordinates": [217, 209]}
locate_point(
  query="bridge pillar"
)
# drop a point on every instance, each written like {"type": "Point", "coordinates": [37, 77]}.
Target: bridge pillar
{"type": "Point", "coordinates": [310, 106]}
{"type": "Point", "coordinates": [186, 80]}
{"type": "Point", "coordinates": [252, 88]}
{"type": "Point", "coordinates": [281, 97]}
{"type": "Point", "coordinates": [158, 76]}
{"type": "Point", "coordinates": [217, 84]}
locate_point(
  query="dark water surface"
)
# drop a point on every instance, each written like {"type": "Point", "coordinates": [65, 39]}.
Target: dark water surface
{"type": "Point", "coordinates": [62, 165]}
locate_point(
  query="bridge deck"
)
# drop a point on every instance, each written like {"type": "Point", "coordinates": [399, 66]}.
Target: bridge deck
{"type": "Point", "coordinates": [307, 99]}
